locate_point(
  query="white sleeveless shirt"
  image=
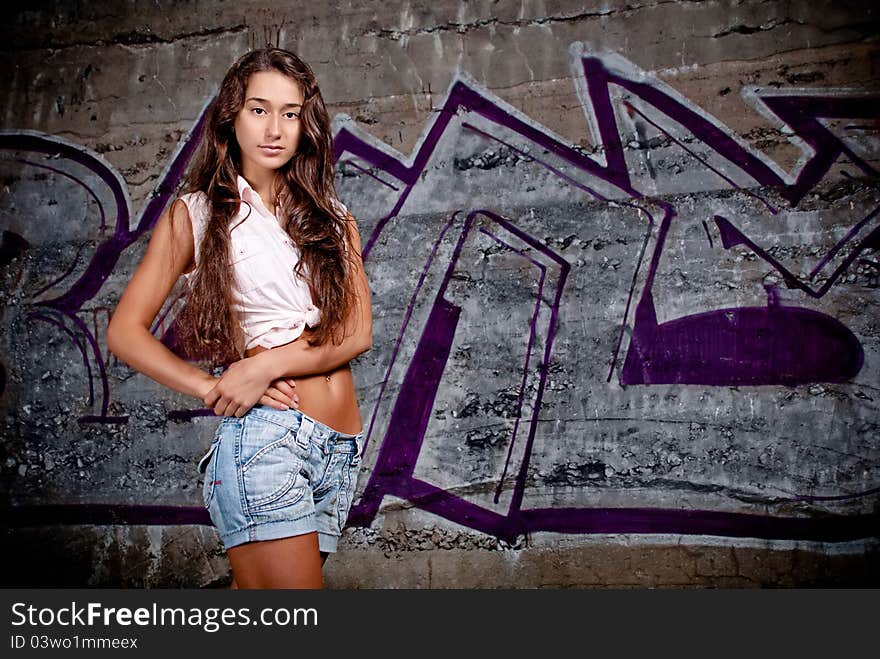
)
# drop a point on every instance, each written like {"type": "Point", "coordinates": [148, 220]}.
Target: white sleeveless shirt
{"type": "Point", "coordinates": [274, 305]}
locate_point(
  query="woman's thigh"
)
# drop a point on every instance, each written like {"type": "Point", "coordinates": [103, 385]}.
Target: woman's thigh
{"type": "Point", "coordinates": [292, 562]}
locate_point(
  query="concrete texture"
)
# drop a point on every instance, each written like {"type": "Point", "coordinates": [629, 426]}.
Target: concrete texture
{"type": "Point", "coordinates": [624, 273]}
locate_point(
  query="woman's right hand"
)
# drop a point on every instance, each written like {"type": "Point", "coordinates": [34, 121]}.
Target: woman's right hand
{"type": "Point", "coordinates": [281, 395]}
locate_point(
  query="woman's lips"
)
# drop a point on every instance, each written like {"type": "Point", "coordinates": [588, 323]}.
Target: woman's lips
{"type": "Point", "coordinates": [271, 150]}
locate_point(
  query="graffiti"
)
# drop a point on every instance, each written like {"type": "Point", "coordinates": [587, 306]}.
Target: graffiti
{"type": "Point", "coordinates": [735, 345]}
{"type": "Point", "coordinates": [63, 310]}
{"type": "Point", "coordinates": [414, 404]}
{"type": "Point", "coordinates": [693, 350]}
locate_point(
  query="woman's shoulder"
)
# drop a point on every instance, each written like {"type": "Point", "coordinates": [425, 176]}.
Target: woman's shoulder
{"type": "Point", "coordinates": [195, 201]}
{"type": "Point", "coordinates": [197, 206]}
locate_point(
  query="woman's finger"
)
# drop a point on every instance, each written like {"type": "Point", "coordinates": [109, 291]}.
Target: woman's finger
{"type": "Point", "coordinates": [287, 394]}
{"type": "Point", "coordinates": [277, 397]}
{"type": "Point", "coordinates": [280, 396]}
{"type": "Point", "coordinates": [275, 404]}
{"type": "Point", "coordinates": [210, 399]}
{"type": "Point", "coordinates": [283, 387]}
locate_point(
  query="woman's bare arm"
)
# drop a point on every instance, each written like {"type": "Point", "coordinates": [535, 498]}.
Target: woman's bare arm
{"type": "Point", "coordinates": [241, 380]}
{"type": "Point", "coordinates": [299, 358]}
{"type": "Point", "coordinates": [169, 254]}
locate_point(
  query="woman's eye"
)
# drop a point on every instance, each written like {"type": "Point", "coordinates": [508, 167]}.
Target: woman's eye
{"type": "Point", "coordinates": [291, 115]}
{"type": "Point", "coordinates": [257, 110]}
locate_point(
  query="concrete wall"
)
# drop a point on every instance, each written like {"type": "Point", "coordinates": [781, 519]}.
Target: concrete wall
{"type": "Point", "coordinates": [624, 266]}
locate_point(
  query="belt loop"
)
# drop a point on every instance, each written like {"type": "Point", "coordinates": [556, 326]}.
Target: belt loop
{"type": "Point", "coordinates": [304, 432]}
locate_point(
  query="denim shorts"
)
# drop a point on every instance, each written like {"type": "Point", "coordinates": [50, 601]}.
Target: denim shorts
{"type": "Point", "coordinates": [273, 474]}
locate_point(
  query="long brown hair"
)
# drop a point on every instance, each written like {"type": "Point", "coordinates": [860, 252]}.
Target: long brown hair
{"type": "Point", "coordinates": [207, 325]}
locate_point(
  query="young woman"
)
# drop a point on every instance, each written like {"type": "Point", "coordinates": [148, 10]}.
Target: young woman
{"type": "Point", "coordinates": [276, 290]}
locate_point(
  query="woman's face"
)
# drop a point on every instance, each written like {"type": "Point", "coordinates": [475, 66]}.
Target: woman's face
{"type": "Point", "coordinates": [267, 128]}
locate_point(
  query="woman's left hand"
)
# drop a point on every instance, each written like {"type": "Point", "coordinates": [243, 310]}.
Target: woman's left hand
{"type": "Point", "coordinates": [239, 388]}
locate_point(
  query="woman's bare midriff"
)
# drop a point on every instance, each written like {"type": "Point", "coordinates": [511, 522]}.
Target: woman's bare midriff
{"type": "Point", "coordinates": [327, 397]}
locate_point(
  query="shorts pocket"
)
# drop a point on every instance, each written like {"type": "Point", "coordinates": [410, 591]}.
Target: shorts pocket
{"type": "Point", "coordinates": [208, 463]}
{"type": "Point", "coordinates": [208, 467]}
{"type": "Point", "coordinates": [348, 483]}
{"type": "Point", "coordinates": [339, 452]}
{"type": "Point", "coordinates": [359, 450]}
{"type": "Point", "coordinates": [271, 465]}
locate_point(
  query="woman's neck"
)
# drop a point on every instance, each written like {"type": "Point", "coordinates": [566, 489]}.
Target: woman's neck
{"type": "Point", "coordinates": [263, 184]}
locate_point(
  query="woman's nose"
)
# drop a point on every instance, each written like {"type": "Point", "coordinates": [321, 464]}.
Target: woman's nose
{"type": "Point", "coordinates": [273, 126]}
